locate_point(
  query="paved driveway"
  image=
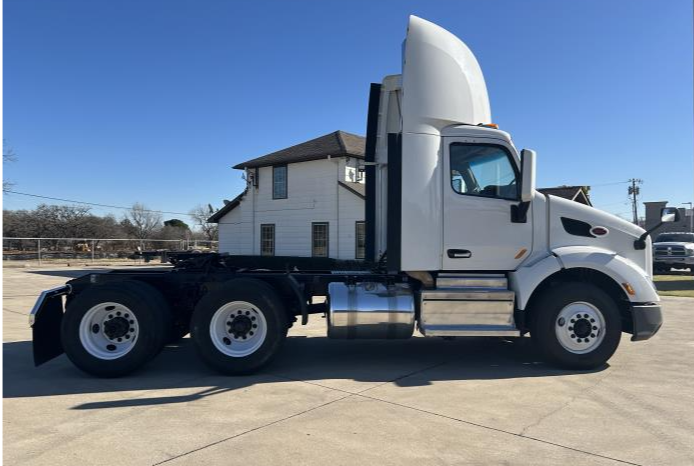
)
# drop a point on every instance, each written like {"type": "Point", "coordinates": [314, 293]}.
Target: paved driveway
{"type": "Point", "coordinates": [420, 402]}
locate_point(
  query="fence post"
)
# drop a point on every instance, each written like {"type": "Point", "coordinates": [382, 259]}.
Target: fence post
{"type": "Point", "coordinates": [39, 251]}
{"type": "Point", "coordinates": [93, 249]}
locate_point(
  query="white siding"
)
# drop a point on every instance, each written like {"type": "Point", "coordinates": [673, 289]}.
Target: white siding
{"type": "Point", "coordinates": [313, 195]}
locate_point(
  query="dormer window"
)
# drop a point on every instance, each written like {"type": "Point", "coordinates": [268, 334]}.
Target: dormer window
{"type": "Point", "coordinates": [279, 182]}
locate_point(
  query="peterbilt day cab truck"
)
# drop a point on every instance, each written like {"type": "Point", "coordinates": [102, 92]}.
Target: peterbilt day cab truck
{"type": "Point", "coordinates": [459, 244]}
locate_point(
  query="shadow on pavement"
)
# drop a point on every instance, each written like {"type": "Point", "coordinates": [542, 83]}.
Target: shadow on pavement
{"type": "Point", "coordinates": [406, 363]}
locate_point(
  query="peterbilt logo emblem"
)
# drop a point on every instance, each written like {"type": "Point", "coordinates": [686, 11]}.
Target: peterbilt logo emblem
{"type": "Point", "coordinates": [669, 251]}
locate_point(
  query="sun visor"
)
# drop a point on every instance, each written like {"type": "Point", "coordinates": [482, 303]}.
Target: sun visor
{"type": "Point", "coordinates": [442, 81]}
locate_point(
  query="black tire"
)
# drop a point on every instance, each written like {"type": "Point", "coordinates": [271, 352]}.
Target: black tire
{"type": "Point", "coordinates": [261, 296]}
{"type": "Point", "coordinates": [544, 316]}
{"type": "Point", "coordinates": [152, 314]}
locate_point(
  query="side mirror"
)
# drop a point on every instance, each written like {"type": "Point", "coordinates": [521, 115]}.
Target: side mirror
{"type": "Point", "coordinates": [527, 174]}
{"type": "Point", "coordinates": [669, 215]}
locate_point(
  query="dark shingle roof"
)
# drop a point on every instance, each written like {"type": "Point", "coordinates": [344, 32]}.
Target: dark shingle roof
{"type": "Point", "coordinates": [334, 144]}
{"type": "Point", "coordinates": [356, 188]}
{"type": "Point", "coordinates": [572, 193]}
{"type": "Point", "coordinates": [228, 207]}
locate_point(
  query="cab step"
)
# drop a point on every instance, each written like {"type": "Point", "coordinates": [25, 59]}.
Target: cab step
{"type": "Point", "coordinates": [468, 305]}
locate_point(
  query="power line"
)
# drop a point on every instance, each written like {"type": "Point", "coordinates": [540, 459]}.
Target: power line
{"type": "Point", "coordinates": [95, 204]}
{"type": "Point", "coordinates": [609, 184]}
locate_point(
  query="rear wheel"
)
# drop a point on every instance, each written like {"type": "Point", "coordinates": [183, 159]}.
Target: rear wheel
{"type": "Point", "coordinates": [113, 329]}
{"type": "Point", "coordinates": [576, 325]}
{"type": "Point", "coordinates": [238, 328]}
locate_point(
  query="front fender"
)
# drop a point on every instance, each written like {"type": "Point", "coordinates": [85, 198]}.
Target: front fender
{"type": "Point", "coordinates": [526, 279]}
{"type": "Point", "coordinates": [620, 269]}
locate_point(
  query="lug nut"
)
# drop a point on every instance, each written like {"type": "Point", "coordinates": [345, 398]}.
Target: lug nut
{"type": "Point", "coordinates": [573, 335]}
{"type": "Point", "coordinates": [120, 339]}
{"type": "Point", "coordinates": [126, 315]}
{"type": "Point", "coordinates": [127, 336]}
{"type": "Point", "coordinates": [118, 313]}
{"type": "Point", "coordinates": [252, 318]}
{"type": "Point", "coordinates": [594, 327]}
{"type": "Point", "coordinates": [227, 341]}
{"type": "Point", "coordinates": [579, 340]}
{"type": "Point", "coordinates": [592, 335]}
{"type": "Point", "coordinates": [110, 316]}
{"type": "Point", "coordinates": [571, 329]}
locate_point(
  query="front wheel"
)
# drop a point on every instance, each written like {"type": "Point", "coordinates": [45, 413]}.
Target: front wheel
{"type": "Point", "coordinates": [238, 328]}
{"type": "Point", "coordinates": [576, 325]}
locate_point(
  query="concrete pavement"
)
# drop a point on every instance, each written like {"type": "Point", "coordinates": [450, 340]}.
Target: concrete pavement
{"type": "Point", "coordinates": [422, 401]}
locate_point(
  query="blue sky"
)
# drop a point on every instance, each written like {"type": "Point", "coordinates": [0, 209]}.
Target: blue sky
{"type": "Point", "coordinates": [117, 102]}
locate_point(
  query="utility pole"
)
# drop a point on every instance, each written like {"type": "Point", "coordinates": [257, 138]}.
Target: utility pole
{"type": "Point", "coordinates": [634, 191]}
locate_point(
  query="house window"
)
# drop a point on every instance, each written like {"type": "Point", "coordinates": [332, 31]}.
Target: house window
{"type": "Point", "coordinates": [319, 239]}
{"type": "Point", "coordinates": [360, 240]}
{"type": "Point", "coordinates": [279, 182]}
{"type": "Point", "coordinates": [267, 240]}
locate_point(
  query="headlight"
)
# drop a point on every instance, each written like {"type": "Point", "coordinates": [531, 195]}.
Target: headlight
{"type": "Point", "coordinates": [690, 251]}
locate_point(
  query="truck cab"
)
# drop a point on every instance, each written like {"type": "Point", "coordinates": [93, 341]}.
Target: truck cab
{"type": "Point", "coordinates": [452, 202]}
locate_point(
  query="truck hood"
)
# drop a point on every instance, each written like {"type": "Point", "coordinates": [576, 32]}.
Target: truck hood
{"type": "Point", "coordinates": [570, 224]}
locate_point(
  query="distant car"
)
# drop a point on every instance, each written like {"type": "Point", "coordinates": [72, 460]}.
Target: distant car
{"type": "Point", "coordinates": [673, 251]}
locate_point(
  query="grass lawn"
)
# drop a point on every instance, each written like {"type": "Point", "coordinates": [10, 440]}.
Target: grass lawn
{"type": "Point", "coordinates": [675, 285]}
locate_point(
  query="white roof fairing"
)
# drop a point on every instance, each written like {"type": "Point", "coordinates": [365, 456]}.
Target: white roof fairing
{"type": "Point", "coordinates": [442, 81]}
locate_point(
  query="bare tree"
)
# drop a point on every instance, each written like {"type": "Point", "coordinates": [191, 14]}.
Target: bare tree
{"type": "Point", "coordinates": [8, 155]}
{"type": "Point", "coordinates": [200, 214]}
{"type": "Point", "coordinates": [144, 222]}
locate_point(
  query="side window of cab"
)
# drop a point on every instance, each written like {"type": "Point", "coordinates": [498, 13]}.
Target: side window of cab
{"type": "Point", "coordinates": [483, 170]}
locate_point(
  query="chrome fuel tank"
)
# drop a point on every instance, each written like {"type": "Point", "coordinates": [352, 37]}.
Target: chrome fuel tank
{"type": "Point", "coordinates": [370, 310]}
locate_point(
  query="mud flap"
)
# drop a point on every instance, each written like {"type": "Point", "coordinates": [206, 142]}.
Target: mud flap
{"type": "Point", "coordinates": [46, 330]}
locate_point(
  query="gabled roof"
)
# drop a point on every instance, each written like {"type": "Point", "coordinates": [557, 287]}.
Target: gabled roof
{"type": "Point", "coordinates": [358, 189]}
{"type": "Point", "coordinates": [228, 207]}
{"type": "Point", "coordinates": [572, 193]}
{"type": "Point", "coordinates": [336, 144]}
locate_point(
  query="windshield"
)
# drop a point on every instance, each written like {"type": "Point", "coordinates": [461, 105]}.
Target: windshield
{"type": "Point", "coordinates": [675, 238]}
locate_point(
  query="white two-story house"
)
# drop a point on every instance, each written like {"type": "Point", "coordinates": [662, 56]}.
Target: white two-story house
{"type": "Point", "coordinates": [305, 200]}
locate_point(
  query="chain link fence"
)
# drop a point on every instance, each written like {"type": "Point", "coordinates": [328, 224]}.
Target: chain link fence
{"type": "Point", "coordinates": [28, 251]}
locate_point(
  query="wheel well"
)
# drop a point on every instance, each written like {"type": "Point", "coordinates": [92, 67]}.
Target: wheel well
{"type": "Point", "coordinates": [583, 275]}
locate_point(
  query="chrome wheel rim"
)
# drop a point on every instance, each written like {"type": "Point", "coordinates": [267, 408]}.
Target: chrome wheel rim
{"type": "Point", "coordinates": [580, 327]}
{"type": "Point", "coordinates": [238, 329]}
{"type": "Point", "coordinates": [109, 331]}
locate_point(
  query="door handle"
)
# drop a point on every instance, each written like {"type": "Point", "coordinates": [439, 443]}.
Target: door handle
{"type": "Point", "coordinates": [459, 254]}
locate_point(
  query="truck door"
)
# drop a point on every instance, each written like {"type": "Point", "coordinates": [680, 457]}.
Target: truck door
{"type": "Point", "coordinates": [481, 183]}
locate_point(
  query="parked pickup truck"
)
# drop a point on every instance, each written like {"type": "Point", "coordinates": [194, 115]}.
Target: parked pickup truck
{"type": "Point", "coordinates": [673, 250]}
{"type": "Point", "coordinates": [459, 243]}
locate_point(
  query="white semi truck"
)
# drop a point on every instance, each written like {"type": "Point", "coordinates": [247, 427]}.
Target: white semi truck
{"type": "Point", "coordinates": [459, 244]}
